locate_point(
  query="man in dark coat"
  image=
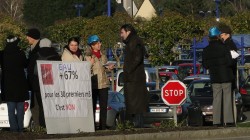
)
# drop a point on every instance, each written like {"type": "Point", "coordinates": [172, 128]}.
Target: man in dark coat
{"type": "Point", "coordinates": [33, 37]}
{"type": "Point", "coordinates": [14, 82]}
{"type": "Point", "coordinates": [226, 34]}
{"type": "Point", "coordinates": [134, 75]}
{"type": "Point", "coordinates": [217, 59]}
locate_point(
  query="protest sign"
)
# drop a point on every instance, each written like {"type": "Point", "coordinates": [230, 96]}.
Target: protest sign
{"type": "Point", "coordinates": [67, 96]}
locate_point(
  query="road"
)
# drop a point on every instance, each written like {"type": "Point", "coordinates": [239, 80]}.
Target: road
{"type": "Point", "coordinates": [232, 138]}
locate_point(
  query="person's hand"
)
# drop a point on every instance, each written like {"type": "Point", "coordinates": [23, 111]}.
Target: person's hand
{"type": "Point", "coordinates": [92, 60]}
{"type": "Point", "coordinates": [111, 66]}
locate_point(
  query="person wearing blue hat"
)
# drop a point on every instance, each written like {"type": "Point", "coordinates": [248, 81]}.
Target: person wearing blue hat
{"type": "Point", "coordinates": [99, 79]}
{"type": "Point", "coordinates": [218, 60]}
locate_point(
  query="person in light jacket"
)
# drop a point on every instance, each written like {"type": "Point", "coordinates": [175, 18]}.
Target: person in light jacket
{"type": "Point", "coordinates": [100, 82]}
{"type": "Point", "coordinates": [71, 51]}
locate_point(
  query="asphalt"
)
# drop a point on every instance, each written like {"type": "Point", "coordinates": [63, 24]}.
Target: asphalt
{"type": "Point", "coordinates": [177, 135]}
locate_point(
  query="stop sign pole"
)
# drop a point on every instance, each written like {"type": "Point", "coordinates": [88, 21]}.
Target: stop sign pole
{"type": "Point", "coordinates": [173, 93]}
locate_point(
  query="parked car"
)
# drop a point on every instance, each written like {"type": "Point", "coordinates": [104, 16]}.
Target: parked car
{"type": "Point", "coordinates": [200, 92]}
{"type": "Point", "coordinates": [158, 111]}
{"type": "Point", "coordinates": [169, 69]}
{"type": "Point", "coordinates": [165, 76]}
{"type": "Point", "coordinates": [187, 69]}
{"type": "Point", "coordinates": [4, 118]}
{"type": "Point", "coordinates": [245, 92]}
{"type": "Point", "coordinates": [177, 62]}
{"type": "Point", "coordinates": [150, 77]}
{"type": "Point", "coordinates": [187, 80]}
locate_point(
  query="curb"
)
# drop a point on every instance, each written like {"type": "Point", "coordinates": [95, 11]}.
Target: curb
{"type": "Point", "coordinates": [177, 135]}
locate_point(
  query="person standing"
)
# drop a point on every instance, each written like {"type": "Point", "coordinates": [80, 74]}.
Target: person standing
{"type": "Point", "coordinates": [14, 83]}
{"type": "Point", "coordinates": [33, 37]}
{"type": "Point", "coordinates": [45, 52]}
{"type": "Point", "coordinates": [99, 79]}
{"type": "Point", "coordinates": [71, 51]}
{"type": "Point", "coordinates": [135, 90]}
{"type": "Point", "coordinates": [226, 36]}
{"type": "Point", "coordinates": [218, 60]}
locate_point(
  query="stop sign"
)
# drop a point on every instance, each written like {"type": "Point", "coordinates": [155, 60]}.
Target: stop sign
{"type": "Point", "coordinates": [173, 92]}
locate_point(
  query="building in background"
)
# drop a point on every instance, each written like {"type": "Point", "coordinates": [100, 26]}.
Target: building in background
{"type": "Point", "coordinates": [137, 9]}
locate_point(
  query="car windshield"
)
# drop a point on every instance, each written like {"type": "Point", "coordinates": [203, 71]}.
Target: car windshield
{"type": "Point", "coordinates": [187, 82]}
{"type": "Point", "coordinates": [200, 89]}
{"type": "Point", "coordinates": [247, 82]}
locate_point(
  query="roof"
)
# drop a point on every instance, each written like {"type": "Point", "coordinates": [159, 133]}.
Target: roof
{"type": "Point", "coordinates": [202, 76]}
{"type": "Point", "coordinates": [236, 38]}
{"type": "Point", "coordinates": [146, 10]}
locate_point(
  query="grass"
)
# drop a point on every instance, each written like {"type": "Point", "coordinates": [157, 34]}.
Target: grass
{"type": "Point", "coordinates": [244, 124]}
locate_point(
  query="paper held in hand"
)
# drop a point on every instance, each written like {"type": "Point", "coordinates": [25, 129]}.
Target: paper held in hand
{"type": "Point", "coordinates": [234, 54]}
{"type": "Point", "coordinates": [110, 63]}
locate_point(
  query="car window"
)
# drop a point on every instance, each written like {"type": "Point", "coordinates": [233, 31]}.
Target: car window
{"type": "Point", "coordinates": [175, 77]}
{"type": "Point", "coordinates": [120, 79]}
{"type": "Point", "coordinates": [152, 76]}
{"type": "Point", "coordinates": [201, 89]}
{"type": "Point", "coordinates": [164, 78]}
{"type": "Point", "coordinates": [187, 82]}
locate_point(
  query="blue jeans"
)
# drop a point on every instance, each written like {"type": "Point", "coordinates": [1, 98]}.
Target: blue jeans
{"type": "Point", "coordinates": [16, 120]}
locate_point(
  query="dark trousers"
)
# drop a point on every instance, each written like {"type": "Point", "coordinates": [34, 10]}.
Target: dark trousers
{"type": "Point", "coordinates": [102, 95]}
{"type": "Point", "coordinates": [16, 120]}
{"type": "Point", "coordinates": [136, 119]}
{"type": "Point", "coordinates": [37, 110]}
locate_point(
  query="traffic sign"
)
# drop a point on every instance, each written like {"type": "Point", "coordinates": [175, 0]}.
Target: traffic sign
{"type": "Point", "coordinates": [173, 92]}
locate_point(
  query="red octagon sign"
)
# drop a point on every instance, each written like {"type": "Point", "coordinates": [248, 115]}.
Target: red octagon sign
{"type": "Point", "coordinates": [173, 92]}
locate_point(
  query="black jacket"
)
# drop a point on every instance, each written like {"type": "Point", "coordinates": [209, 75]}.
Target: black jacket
{"type": "Point", "coordinates": [14, 84]}
{"type": "Point", "coordinates": [30, 69]}
{"type": "Point", "coordinates": [134, 76]}
{"type": "Point", "coordinates": [217, 58]}
{"type": "Point", "coordinates": [231, 45]}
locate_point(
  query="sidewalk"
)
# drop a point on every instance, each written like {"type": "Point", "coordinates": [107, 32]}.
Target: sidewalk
{"type": "Point", "coordinates": [175, 135]}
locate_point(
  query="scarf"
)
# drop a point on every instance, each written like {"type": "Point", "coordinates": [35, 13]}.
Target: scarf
{"type": "Point", "coordinates": [97, 54]}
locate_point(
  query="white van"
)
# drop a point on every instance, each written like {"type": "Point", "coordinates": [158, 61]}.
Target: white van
{"type": "Point", "coordinates": [150, 77]}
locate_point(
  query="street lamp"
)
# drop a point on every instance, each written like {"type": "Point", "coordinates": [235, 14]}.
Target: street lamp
{"type": "Point", "coordinates": [204, 14]}
{"type": "Point", "coordinates": [78, 8]}
{"type": "Point", "coordinates": [109, 8]}
{"type": "Point", "coordinates": [217, 2]}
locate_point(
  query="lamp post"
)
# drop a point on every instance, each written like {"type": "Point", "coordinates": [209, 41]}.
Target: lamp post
{"type": "Point", "coordinates": [78, 8]}
{"type": "Point", "coordinates": [217, 2]}
{"type": "Point", "coordinates": [109, 8]}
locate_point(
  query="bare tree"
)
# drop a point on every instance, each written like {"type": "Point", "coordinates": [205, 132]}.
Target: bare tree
{"type": "Point", "coordinates": [239, 5]}
{"type": "Point", "coordinates": [12, 8]}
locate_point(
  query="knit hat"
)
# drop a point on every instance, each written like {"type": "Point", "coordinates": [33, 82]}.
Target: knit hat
{"type": "Point", "coordinates": [33, 33]}
{"type": "Point", "coordinates": [45, 42]}
{"type": "Point", "coordinates": [225, 28]}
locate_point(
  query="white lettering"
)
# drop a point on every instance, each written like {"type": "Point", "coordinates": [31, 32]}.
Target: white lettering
{"type": "Point", "coordinates": [173, 92]}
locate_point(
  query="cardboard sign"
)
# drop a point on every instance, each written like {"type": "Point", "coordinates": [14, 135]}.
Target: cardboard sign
{"type": "Point", "coordinates": [67, 96]}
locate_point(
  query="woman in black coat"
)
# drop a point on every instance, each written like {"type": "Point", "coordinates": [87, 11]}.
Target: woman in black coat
{"type": "Point", "coordinates": [134, 75]}
{"type": "Point", "coordinates": [14, 82]}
